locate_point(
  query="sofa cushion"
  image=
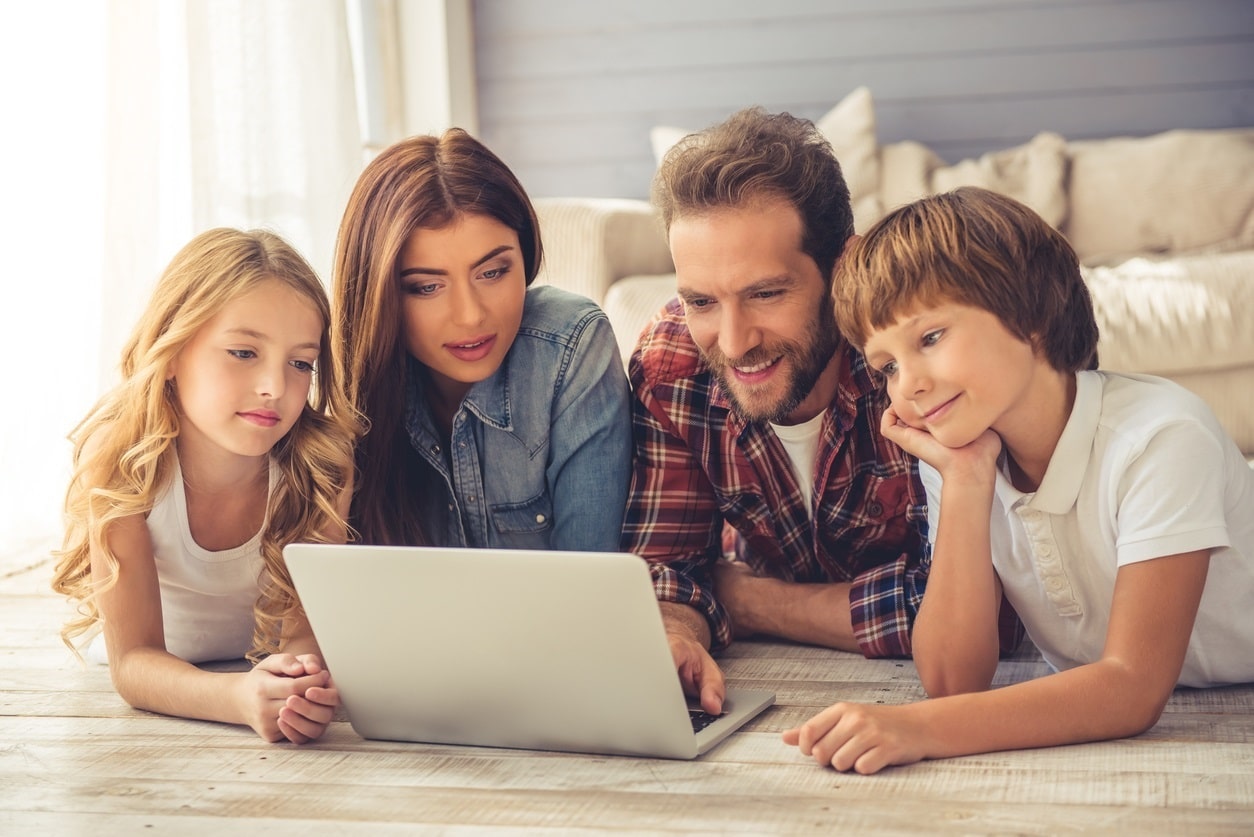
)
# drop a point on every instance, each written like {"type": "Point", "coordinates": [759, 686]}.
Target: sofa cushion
{"type": "Point", "coordinates": [1188, 318]}
{"type": "Point", "coordinates": [631, 302]}
{"type": "Point", "coordinates": [1034, 173]}
{"type": "Point", "coordinates": [1170, 193]}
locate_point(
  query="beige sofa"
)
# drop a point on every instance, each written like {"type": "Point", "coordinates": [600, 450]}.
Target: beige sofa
{"type": "Point", "coordinates": [1164, 226]}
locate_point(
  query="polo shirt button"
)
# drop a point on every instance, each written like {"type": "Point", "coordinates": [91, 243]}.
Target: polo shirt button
{"type": "Point", "coordinates": [539, 518]}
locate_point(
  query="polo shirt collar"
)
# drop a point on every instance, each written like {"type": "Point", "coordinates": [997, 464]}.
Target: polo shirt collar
{"type": "Point", "coordinates": [1060, 487]}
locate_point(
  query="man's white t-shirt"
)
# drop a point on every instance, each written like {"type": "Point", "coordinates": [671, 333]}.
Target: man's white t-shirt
{"type": "Point", "coordinates": [1143, 470]}
{"type": "Point", "coordinates": [801, 441]}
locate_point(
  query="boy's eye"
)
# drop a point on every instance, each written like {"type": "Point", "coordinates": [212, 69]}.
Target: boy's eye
{"type": "Point", "coordinates": [931, 337]}
{"type": "Point", "coordinates": [242, 354]}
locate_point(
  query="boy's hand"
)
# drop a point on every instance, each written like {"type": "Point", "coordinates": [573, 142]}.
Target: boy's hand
{"type": "Point", "coordinates": [979, 458]}
{"type": "Point", "coordinates": [860, 737]}
{"type": "Point", "coordinates": [285, 696]}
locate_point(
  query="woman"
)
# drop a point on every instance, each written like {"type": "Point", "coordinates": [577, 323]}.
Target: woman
{"type": "Point", "coordinates": [498, 412]}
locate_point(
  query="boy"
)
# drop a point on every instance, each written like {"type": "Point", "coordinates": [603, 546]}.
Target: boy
{"type": "Point", "coordinates": [1111, 509]}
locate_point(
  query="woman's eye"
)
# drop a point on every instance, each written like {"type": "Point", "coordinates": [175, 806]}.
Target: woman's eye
{"type": "Point", "coordinates": [422, 290]}
{"type": "Point", "coordinates": [494, 273]}
{"type": "Point", "coordinates": [242, 354]}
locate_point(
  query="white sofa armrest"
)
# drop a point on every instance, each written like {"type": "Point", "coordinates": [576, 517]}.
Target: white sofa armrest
{"type": "Point", "coordinates": [591, 243]}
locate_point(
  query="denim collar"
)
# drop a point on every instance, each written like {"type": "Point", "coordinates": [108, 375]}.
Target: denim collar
{"type": "Point", "coordinates": [489, 400]}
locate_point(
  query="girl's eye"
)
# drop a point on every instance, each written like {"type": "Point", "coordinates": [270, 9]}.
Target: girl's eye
{"type": "Point", "coordinates": [242, 354]}
{"type": "Point", "coordinates": [889, 369]}
{"type": "Point", "coordinates": [303, 366]}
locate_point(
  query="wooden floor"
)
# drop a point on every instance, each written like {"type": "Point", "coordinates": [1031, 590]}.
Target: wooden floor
{"type": "Point", "coordinates": [75, 759]}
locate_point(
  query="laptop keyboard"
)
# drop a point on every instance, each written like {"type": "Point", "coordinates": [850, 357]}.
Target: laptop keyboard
{"type": "Point", "coordinates": [701, 719]}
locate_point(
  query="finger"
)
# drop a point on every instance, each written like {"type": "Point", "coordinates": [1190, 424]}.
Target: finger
{"type": "Point", "coordinates": [306, 728]}
{"type": "Point", "coordinates": [713, 688]}
{"type": "Point", "coordinates": [316, 712]}
{"type": "Point", "coordinates": [291, 733]}
{"type": "Point", "coordinates": [792, 737]}
{"type": "Point", "coordinates": [325, 695]}
{"type": "Point", "coordinates": [311, 662]}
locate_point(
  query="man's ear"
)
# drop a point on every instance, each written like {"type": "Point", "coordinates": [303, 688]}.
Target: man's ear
{"type": "Point", "coordinates": [844, 248]}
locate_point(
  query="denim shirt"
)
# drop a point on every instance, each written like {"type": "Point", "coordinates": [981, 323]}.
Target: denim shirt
{"type": "Point", "coordinates": [540, 454]}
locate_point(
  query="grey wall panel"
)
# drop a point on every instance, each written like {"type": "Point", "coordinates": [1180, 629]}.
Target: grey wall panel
{"type": "Point", "coordinates": [568, 89]}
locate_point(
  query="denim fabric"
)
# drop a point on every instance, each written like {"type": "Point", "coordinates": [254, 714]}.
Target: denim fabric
{"type": "Point", "coordinates": [540, 454]}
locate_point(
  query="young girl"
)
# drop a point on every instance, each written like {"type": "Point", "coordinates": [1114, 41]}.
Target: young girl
{"type": "Point", "coordinates": [498, 412]}
{"type": "Point", "coordinates": [1112, 510]}
{"type": "Point", "coordinates": [228, 438]}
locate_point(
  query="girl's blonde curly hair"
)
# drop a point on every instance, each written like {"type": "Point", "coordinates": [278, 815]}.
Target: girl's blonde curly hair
{"type": "Point", "coordinates": [124, 447]}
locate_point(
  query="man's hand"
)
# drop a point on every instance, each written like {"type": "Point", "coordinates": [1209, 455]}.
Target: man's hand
{"type": "Point", "coordinates": [688, 635]}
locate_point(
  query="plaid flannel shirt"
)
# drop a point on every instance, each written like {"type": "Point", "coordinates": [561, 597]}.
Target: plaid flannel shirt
{"type": "Point", "coordinates": [699, 465]}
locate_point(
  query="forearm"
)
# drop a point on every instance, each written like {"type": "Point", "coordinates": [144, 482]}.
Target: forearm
{"type": "Point", "coordinates": [955, 639]}
{"type": "Point", "coordinates": [155, 680]}
{"type": "Point", "coordinates": [815, 614]}
{"type": "Point", "coordinates": [685, 621]}
{"type": "Point", "coordinates": [1095, 702]}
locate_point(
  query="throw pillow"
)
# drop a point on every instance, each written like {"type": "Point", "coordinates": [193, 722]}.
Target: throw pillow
{"type": "Point", "coordinates": [1170, 193]}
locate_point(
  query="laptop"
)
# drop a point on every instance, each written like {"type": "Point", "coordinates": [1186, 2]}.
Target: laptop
{"type": "Point", "coordinates": [542, 650]}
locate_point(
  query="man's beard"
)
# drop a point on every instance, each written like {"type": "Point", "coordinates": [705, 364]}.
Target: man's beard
{"type": "Point", "coordinates": [806, 361]}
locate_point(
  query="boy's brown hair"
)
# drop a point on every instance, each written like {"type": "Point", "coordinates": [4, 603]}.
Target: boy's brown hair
{"type": "Point", "coordinates": [973, 247]}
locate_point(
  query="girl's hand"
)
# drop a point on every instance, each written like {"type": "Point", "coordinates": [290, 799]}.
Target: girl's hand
{"type": "Point", "coordinates": [978, 458]}
{"type": "Point", "coordinates": [304, 718]}
{"type": "Point", "coordinates": [860, 737]}
{"type": "Point", "coordinates": [273, 698]}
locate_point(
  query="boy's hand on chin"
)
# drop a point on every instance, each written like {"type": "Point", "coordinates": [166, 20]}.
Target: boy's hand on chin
{"type": "Point", "coordinates": [979, 458]}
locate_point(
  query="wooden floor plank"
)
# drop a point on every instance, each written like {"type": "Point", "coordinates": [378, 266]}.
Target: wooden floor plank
{"type": "Point", "coordinates": [74, 758]}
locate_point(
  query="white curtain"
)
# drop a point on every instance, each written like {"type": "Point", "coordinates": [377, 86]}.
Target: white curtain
{"type": "Point", "coordinates": [140, 123]}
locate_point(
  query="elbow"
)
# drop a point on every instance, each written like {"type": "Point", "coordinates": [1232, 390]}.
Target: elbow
{"type": "Point", "coordinates": [939, 682]}
{"type": "Point", "coordinates": [942, 676]}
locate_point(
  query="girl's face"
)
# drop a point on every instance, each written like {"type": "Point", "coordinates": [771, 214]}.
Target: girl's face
{"type": "Point", "coordinates": [243, 379]}
{"type": "Point", "coordinates": [462, 291]}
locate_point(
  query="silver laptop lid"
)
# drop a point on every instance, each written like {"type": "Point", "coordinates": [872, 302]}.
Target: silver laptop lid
{"type": "Point", "coordinates": [506, 648]}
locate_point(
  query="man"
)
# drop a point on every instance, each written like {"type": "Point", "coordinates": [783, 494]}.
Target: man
{"type": "Point", "coordinates": [751, 410]}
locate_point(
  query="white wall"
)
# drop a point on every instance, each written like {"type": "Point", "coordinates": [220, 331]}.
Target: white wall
{"type": "Point", "coordinates": [568, 89]}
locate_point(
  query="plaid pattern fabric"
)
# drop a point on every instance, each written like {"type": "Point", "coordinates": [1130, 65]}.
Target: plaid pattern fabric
{"type": "Point", "coordinates": [699, 466]}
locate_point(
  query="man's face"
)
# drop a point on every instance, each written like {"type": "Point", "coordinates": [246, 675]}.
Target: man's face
{"type": "Point", "coordinates": [758, 309]}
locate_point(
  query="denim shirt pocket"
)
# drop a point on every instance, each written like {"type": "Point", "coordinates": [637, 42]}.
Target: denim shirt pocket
{"type": "Point", "coordinates": [524, 525]}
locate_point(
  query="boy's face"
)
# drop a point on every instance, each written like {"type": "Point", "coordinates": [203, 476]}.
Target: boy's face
{"type": "Point", "coordinates": [955, 371]}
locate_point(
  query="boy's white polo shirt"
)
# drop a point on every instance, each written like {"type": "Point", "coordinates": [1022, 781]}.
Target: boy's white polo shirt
{"type": "Point", "coordinates": [1142, 470]}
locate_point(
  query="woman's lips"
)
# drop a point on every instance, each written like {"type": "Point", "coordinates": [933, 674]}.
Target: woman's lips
{"type": "Point", "coordinates": [472, 350]}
